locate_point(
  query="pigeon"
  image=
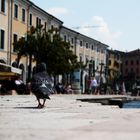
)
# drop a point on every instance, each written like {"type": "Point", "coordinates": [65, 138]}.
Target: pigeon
{"type": "Point", "coordinates": [41, 85]}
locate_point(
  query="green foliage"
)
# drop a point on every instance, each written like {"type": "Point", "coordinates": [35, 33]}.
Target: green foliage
{"type": "Point", "coordinates": [48, 47]}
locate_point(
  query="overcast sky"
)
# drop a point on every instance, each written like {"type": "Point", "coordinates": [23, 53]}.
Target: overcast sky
{"type": "Point", "coordinates": [112, 22]}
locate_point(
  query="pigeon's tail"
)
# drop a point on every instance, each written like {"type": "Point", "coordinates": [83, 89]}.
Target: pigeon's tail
{"type": "Point", "coordinates": [46, 96]}
{"type": "Point", "coordinates": [43, 93]}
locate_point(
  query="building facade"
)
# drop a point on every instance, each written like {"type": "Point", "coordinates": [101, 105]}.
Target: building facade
{"type": "Point", "coordinates": [16, 18]}
{"type": "Point", "coordinates": [131, 64]}
{"type": "Point", "coordinates": [90, 52]}
{"type": "Point", "coordinates": [114, 64]}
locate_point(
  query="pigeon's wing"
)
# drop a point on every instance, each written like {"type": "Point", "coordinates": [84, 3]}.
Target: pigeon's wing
{"type": "Point", "coordinates": [42, 85]}
{"type": "Point", "coordinates": [35, 83]}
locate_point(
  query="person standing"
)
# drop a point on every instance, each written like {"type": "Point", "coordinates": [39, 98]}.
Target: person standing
{"type": "Point", "coordinates": [122, 88]}
{"type": "Point", "coordinates": [93, 85]}
{"type": "Point", "coordinates": [20, 87]}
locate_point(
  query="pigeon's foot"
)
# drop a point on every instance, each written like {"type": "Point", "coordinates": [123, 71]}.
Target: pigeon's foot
{"type": "Point", "coordinates": [39, 106]}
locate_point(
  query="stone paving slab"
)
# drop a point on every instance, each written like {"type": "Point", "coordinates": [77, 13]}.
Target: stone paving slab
{"type": "Point", "coordinates": [65, 118]}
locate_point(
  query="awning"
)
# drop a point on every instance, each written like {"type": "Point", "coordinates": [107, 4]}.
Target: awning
{"type": "Point", "coordinates": [8, 71]}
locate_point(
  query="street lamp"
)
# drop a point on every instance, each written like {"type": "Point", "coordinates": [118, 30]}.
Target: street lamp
{"type": "Point", "coordinates": [101, 69]}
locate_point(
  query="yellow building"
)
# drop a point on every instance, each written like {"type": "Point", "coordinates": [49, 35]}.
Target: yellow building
{"type": "Point", "coordinates": [16, 18]}
{"type": "Point", "coordinates": [114, 61]}
{"type": "Point", "coordinates": [89, 51]}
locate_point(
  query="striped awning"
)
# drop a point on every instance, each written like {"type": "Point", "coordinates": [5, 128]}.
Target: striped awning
{"type": "Point", "coordinates": [8, 71]}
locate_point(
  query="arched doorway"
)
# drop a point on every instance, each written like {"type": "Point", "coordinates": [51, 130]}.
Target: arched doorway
{"type": "Point", "coordinates": [2, 61]}
{"type": "Point", "coordinates": [14, 64]}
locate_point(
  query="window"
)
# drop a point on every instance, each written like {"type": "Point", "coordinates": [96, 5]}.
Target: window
{"type": "Point", "coordinates": [98, 50]}
{"type": "Point", "coordinates": [30, 19]}
{"type": "Point", "coordinates": [137, 62]}
{"type": "Point", "coordinates": [132, 62]}
{"type": "Point", "coordinates": [87, 45]}
{"type": "Point", "coordinates": [116, 64]}
{"type": "Point", "coordinates": [72, 41]}
{"type": "Point", "coordinates": [102, 51]}
{"type": "Point", "coordinates": [45, 26]}
{"type": "Point", "coordinates": [15, 37]}
{"type": "Point", "coordinates": [38, 22]}
{"type": "Point", "coordinates": [118, 57]}
{"type": "Point", "coordinates": [81, 43]}
{"type": "Point", "coordinates": [87, 59]}
{"type": "Point", "coordinates": [126, 71]}
{"type": "Point", "coordinates": [126, 62]}
{"type": "Point", "coordinates": [65, 38]}
{"type": "Point", "coordinates": [81, 58]}
{"type": "Point", "coordinates": [3, 6]}
{"type": "Point", "coordinates": [23, 15]}
{"type": "Point", "coordinates": [52, 27]}
{"type": "Point", "coordinates": [109, 62]}
{"type": "Point", "coordinates": [92, 47]}
{"type": "Point", "coordinates": [2, 34]}
{"type": "Point", "coordinates": [15, 11]}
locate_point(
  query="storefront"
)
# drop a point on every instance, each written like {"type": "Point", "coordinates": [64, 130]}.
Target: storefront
{"type": "Point", "coordinates": [8, 72]}
{"type": "Point", "coordinates": [7, 76]}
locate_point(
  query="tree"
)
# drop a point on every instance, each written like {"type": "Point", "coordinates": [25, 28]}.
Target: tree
{"type": "Point", "coordinates": [56, 53]}
{"type": "Point", "coordinates": [26, 47]}
{"type": "Point", "coordinates": [60, 59]}
{"type": "Point", "coordinates": [19, 48]}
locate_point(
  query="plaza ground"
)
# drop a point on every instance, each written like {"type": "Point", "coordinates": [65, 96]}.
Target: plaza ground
{"type": "Point", "coordinates": [65, 118]}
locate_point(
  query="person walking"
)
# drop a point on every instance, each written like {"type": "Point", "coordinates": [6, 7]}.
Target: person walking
{"type": "Point", "coordinates": [93, 85]}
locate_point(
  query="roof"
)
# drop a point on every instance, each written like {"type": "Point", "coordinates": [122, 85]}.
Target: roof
{"type": "Point", "coordinates": [134, 52]}
{"type": "Point", "coordinates": [82, 35]}
{"type": "Point", "coordinates": [55, 18]}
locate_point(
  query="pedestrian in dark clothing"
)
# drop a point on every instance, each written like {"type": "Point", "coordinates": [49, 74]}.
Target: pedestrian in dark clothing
{"type": "Point", "coordinates": [41, 85]}
{"type": "Point", "coordinates": [59, 88]}
{"type": "Point", "coordinates": [20, 87]}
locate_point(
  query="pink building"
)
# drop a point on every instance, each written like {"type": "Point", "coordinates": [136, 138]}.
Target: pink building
{"type": "Point", "coordinates": [131, 64]}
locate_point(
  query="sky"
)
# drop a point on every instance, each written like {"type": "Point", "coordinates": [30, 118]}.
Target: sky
{"type": "Point", "coordinates": [115, 23]}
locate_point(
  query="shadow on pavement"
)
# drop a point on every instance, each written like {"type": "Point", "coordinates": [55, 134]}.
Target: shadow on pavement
{"type": "Point", "coordinates": [30, 107]}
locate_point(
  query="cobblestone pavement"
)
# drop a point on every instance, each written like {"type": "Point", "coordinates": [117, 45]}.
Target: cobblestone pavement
{"type": "Point", "coordinates": [65, 118]}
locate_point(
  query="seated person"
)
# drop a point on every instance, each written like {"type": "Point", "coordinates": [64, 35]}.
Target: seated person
{"type": "Point", "coordinates": [20, 86]}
